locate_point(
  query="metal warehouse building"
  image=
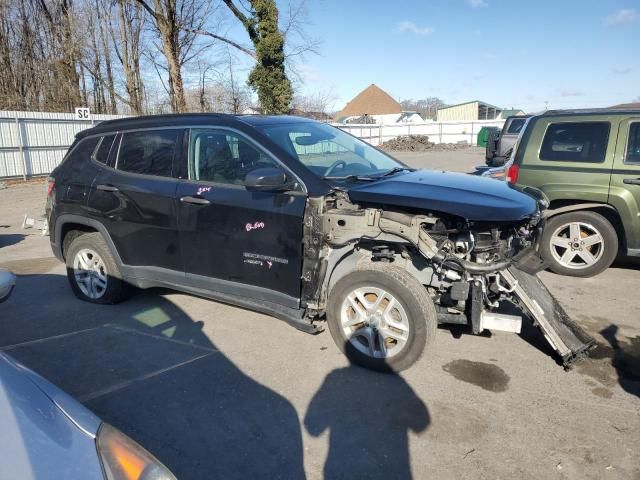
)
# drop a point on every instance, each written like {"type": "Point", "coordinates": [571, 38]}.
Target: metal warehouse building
{"type": "Point", "coordinates": [469, 111]}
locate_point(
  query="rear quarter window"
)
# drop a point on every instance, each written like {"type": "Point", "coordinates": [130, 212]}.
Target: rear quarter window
{"type": "Point", "coordinates": [102, 152]}
{"type": "Point", "coordinates": [82, 150]}
{"type": "Point", "coordinates": [576, 142]}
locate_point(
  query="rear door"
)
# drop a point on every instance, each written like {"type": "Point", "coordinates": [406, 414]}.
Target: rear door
{"type": "Point", "coordinates": [134, 197]}
{"type": "Point", "coordinates": [235, 241]}
{"type": "Point", "coordinates": [624, 193]}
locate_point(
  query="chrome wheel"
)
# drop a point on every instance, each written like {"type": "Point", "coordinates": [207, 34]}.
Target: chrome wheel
{"type": "Point", "coordinates": [375, 322]}
{"type": "Point", "coordinates": [90, 273]}
{"type": "Point", "coordinates": [577, 245]}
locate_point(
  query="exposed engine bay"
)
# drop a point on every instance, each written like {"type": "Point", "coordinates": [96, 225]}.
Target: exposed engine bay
{"type": "Point", "coordinates": [468, 268]}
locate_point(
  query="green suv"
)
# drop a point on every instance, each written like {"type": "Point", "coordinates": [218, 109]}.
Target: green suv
{"type": "Point", "coordinates": [588, 165]}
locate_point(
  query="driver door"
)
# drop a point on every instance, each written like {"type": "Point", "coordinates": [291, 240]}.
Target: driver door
{"type": "Point", "coordinates": [235, 241]}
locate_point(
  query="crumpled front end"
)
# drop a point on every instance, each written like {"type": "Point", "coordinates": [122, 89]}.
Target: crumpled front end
{"type": "Point", "coordinates": [468, 267]}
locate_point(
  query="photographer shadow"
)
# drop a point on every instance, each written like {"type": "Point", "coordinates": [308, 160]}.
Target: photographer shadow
{"type": "Point", "coordinates": [369, 416]}
{"type": "Point", "coordinates": [146, 367]}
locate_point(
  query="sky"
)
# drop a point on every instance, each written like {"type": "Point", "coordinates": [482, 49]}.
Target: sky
{"type": "Point", "coordinates": [531, 55]}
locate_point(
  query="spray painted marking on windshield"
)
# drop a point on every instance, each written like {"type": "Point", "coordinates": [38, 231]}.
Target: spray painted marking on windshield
{"type": "Point", "coordinates": [254, 226]}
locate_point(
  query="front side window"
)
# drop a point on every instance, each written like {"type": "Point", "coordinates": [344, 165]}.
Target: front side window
{"type": "Point", "coordinates": [223, 157]}
{"type": "Point", "coordinates": [576, 142]}
{"type": "Point", "coordinates": [149, 152]}
{"type": "Point", "coordinates": [329, 152]}
{"type": "Point", "coordinates": [633, 144]}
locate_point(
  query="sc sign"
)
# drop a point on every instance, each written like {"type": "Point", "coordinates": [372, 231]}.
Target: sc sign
{"type": "Point", "coordinates": [83, 113]}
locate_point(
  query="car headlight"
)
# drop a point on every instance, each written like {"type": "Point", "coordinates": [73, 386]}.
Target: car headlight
{"type": "Point", "coordinates": [124, 459]}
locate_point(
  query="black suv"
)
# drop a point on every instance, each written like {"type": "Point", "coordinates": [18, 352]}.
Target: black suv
{"type": "Point", "coordinates": [302, 221]}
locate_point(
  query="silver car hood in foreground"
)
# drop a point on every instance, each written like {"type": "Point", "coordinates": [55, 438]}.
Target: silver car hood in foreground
{"type": "Point", "coordinates": [45, 433]}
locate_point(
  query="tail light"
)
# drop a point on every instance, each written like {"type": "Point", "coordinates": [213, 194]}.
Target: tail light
{"type": "Point", "coordinates": [51, 183]}
{"type": "Point", "coordinates": [512, 174]}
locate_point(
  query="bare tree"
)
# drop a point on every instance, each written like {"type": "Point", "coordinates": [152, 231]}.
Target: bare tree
{"type": "Point", "coordinates": [59, 21]}
{"type": "Point", "coordinates": [127, 47]}
{"type": "Point", "coordinates": [427, 107]}
{"type": "Point", "coordinates": [220, 90]}
{"type": "Point", "coordinates": [317, 104]}
{"type": "Point", "coordinates": [59, 54]}
{"type": "Point", "coordinates": [176, 22]}
{"type": "Point", "coordinates": [104, 22]}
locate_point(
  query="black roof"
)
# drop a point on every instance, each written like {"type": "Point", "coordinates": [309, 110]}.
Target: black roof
{"type": "Point", "coordinates": [178, 119]}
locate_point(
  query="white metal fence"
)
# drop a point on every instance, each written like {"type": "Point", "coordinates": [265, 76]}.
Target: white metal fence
{"type": "Point", "coordinates": [33, 143]}
{"type": "Point", "coordinates": [438, 132]}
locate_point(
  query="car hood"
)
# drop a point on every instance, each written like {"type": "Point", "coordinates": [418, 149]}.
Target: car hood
{"type": "Point", "coordinates": [39, 438]}
{"type": "Point", "coordinates": [467, 196]}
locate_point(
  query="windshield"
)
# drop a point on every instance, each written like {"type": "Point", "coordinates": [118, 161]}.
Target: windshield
{"type": "Point", "coordinates": [329, 152]}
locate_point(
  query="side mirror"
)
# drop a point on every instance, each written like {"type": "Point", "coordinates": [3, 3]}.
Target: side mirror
{"type": "Point", "coordinates": [7, 282]}
{"type": "Point", "coordinates": [268, 180]}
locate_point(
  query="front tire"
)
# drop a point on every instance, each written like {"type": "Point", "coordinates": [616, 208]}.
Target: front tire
{"type": "Point", "coordinates": [92, 271]}
{"type": "Point", "coordinates": [579, 244]}
{"type": "Point", "coordinates": [381, 317]}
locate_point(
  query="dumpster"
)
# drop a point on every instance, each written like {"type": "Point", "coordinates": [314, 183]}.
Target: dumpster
{"type": "Point", "coordinates": [483, 135]}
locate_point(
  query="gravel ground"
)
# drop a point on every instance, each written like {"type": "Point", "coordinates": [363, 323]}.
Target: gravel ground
{"type": "Point", "coordinates": [218, 391]}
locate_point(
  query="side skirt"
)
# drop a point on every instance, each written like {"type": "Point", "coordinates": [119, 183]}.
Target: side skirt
{"type": "Point", "coordinates": [293, 316]}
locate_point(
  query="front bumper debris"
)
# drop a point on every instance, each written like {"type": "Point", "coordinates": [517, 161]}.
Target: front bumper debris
{"type": "Point", "coordinates": [563, 334]}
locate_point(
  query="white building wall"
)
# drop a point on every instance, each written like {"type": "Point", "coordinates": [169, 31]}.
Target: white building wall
{"type": "Point", "coordinates": [467, 112]}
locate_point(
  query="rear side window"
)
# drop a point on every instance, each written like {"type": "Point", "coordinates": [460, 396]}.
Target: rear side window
{"type": "Point", "coordinates": [102, 153]}
{"type": "Point", "coordinates": [576, 142]}
{"type": "Point", "coordinates": [516, 125]}
{"type": "Point", "coordinates": [633, 144]}
{"type": "Point", "coordinates": [82, 150]}
{"type": "Point", "coordinates": [150, 152]}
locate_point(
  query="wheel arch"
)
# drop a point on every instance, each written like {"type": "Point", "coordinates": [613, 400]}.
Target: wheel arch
{"type": "Point", "coordinates": [339, 263]}
{"type": "Point", "coordinates": [559, 207]}
{"type": "Point", "coordinates": [68, 223]}
{"type": "Point", "coordinates": [348, 259]}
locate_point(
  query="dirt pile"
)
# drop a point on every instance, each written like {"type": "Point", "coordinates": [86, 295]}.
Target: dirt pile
{"type": "Point", "coordinates": [412, 143]}
{"type": "Point", "coordinates": [418, 143]}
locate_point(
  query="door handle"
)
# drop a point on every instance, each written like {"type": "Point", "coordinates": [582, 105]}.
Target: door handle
{"type": "Point", "coordinates": [106, 188]}
{"type": "Point", "coordinates": [631, 181]}
{"type": "Point", "coordinates": [195, 200]}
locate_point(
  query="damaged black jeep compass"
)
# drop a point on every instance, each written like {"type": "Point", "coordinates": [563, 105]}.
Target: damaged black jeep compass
{"type": "Point", "coordinates": [305, 222]}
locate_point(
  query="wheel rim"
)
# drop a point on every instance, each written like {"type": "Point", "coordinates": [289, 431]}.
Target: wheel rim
{"type": "Point", "coordinates": [577, 245]}
{"type": "Point", "coordinates": [90, 273]}
{"type": "Point", "coordinates": [375, 322]}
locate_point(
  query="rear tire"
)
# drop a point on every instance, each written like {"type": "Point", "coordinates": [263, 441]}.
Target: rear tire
{"type": "Point", "coordinates": [394, 321]}
{"type": "Point", "coordinates": [579, 244]}
{"type": "Point", "coordinates": [92, 271]}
